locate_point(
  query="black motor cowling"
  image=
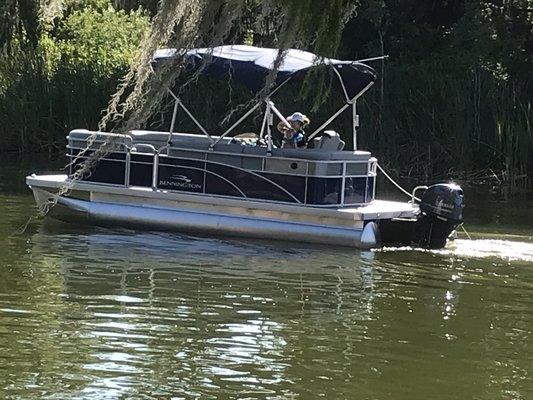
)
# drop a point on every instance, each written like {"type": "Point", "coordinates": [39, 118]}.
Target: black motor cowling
{"type": "Point", "coordinates": [441, 211]}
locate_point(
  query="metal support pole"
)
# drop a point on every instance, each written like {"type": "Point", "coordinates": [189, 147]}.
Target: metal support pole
{"type": "Point", "coordinates": [195, 120]}
{"type": "Point", "coordinates": [265, 120]}
{"type": "Point", "coordinates": [128, 169]}
{"type": "Point", "coordinates": [248, 113]}
{"type": "Point", "coordinates": [343, 185]}
{"type": "Point", "coordinates": [342, 83]}
{"type": "Point", "coordinates": [279, 114]}
{"type": "Point", "coordinates": [372, 59]}
{"type": "Point", "coordinates": [268, 128]}
{"type": "Point", "coordinates": [317, 130]}
{"type": "Point", "coordinates": [355, 124]}
{"type": "Point", "coordinates": [344, 107]}
{"type": "Point", "coordinates": [155, 171]}
{"type": "Point", "coordinates": [251, 110]}
{"type": "Point", "coordinates": [178, 101]}
{"type": "Point", "coordinates": [174, 112]}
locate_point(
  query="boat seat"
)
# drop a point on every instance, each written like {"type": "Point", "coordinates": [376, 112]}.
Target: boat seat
{"type": "Point", "coordinates": [83, 134]}
{"type": "Point", "coordinates": [310, 154]}
{"type": "Point", "coordinates": [316, 142]}
{"type": "Point", "coordinates": [329, 141]}
{"type": "Point", "coordinates": [77, 138]}
{"type": "Point", "coordinates": [314, 154]}
{"type": "Point", "coordinates": [357, 155]}
{"type": "Point", "coordinates": [255, 150]}
{"type": "Point", "coordinates": [149, 137]}
{"type": "Point", "coordinates": [181, 149]}
{"type": "Point", "coordinates": [229, 148]}
{"type": "Point", "coordinates": [159, 139]}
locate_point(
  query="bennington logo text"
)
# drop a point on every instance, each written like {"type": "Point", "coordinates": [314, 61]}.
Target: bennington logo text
{"type": "Point", "coordinates": [180, 182]}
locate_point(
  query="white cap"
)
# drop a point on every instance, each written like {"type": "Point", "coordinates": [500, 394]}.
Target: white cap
{"type": "Point", "coordinates": [297, 116]}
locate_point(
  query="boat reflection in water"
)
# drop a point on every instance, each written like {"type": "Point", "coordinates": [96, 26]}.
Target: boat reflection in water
{"type": "Point", "coordinates": [200, 313]}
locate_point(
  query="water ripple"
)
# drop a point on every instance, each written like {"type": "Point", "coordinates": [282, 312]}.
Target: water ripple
{"type": "Point", "coordinates": [103, 314]}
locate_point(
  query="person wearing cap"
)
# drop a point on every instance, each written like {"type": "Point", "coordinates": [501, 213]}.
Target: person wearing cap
{"type": "Point", "coordinates": [294, 136]}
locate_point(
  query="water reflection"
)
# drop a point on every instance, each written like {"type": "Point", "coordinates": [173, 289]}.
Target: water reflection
{"type": "Point", "coordinates": [205, 314]}
{"type": "Point", "coordinates": [93, 313]}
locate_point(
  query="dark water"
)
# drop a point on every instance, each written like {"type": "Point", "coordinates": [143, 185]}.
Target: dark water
{"type": "Point", "coordinates": [102, 314]}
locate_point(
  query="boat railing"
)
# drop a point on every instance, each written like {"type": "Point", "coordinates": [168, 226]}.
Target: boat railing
{"type": "Point", "coordinates": [148, 155]}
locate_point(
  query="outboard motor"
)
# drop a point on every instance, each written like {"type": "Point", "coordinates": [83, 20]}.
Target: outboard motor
{"type": "Point", "coordinates": [441, 212]}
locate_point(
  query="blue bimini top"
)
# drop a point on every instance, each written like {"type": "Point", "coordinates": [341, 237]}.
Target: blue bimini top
{"type": "Point", "coordinates": [251, 66]}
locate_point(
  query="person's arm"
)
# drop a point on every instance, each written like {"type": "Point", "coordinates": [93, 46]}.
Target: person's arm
{"type": "Point", "coordinates": [281, 127]}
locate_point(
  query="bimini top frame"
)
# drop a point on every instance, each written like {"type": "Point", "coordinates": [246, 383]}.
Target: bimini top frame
{"type": "Point", "coordinates": [253, 65]}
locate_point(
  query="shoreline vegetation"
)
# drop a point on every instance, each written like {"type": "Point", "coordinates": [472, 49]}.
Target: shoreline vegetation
{"type": "Point", "coordinates": [452, 101]}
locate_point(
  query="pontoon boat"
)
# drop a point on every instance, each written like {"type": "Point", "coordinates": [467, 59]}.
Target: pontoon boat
{"type": "Point", "coordinates": [223, 185]}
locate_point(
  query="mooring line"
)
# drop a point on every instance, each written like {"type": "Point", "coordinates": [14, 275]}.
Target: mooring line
{"type": "Point", "coordinates": [395, 183]}
{"type": "Point", "coordinates": [464, 230]}
{"type": "Point", "coordinates": [21, 229]}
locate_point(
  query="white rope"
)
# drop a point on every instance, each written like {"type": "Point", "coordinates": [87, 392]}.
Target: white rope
{"type": "Point", "coordinates": [396, 184]}
{"type": "Point", "coordinates": [464, 230]}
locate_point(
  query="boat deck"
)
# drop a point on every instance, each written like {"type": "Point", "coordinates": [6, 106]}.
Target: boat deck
{"type": "Point", "coordinates": [147, 197]}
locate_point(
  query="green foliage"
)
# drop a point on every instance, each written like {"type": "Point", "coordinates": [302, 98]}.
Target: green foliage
{"type": "Point", "coordinates": [67, 80]}
{"type": "Point", "coordinates": [19, 21]}
{"type": "Point", "coordinates": [102, 40]}
{"type": "Point", "coordinates": [454, 96]}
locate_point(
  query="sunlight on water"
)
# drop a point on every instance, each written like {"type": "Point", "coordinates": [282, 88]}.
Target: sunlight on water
{"type": "Point", "coordinates": [506, 250]}
{"type": "Point", "coordinates": [503, 249]}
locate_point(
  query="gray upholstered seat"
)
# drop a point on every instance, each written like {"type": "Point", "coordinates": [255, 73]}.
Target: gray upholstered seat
{"type": "Point", "coordinates": [83, 134]}
{"type": "Point", "coordinates": [308, 154]}
{"type": "Point", "coordinates": [228, 147]}
{"type": "Point", "coordinates": [149, 137]}
{"type": "Point", "coordinates": [255, 150]}
{"type": "Point", "coordinates": [160, 139]}
{"type": "Point", "coordinates": [314, 154]}
{"type": "Point", "coordinates": [357, 155]}
{"type": "Point", "coordinates": [77, 138]}
{"type": "Point", "coordinates": [329, 141]}
{"type": "Point", "coordinates": [79, 134]}
{"type": "Point", "coordinates": [229, 154]}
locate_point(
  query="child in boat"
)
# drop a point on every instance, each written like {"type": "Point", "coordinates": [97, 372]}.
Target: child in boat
{"type": "Point", "coordinates": [294, 137]}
